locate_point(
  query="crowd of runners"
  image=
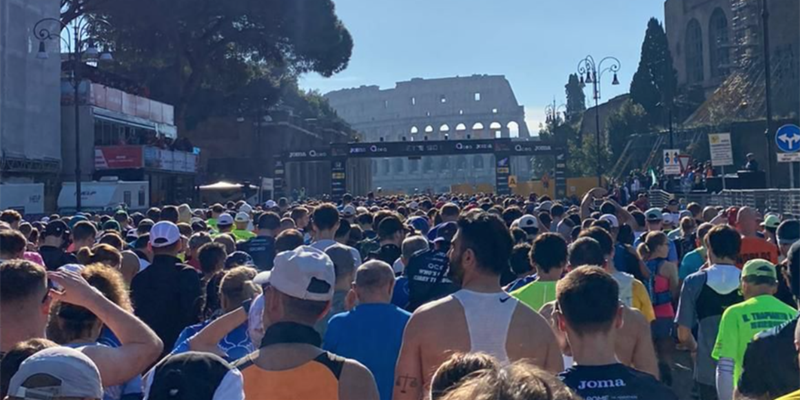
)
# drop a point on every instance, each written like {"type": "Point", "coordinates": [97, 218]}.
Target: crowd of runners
{"type": "Point", "coordinates": [407, 297]}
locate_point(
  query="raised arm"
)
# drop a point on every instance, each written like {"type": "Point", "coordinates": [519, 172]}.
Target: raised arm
{"type": "Point", "coordinates": [208, 338]}
{"type": "Point", "coordinates": [625, 216]}
{"type": "Point", "coordinates": [140, 345]}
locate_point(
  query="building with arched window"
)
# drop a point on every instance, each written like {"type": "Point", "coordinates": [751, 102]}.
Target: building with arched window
{"type": "Point", "coordinates": [712, 39]}
{"type": "Point", "coordinates": [460, 108]}
{"type": "Point", "coordinates": [700, 35]}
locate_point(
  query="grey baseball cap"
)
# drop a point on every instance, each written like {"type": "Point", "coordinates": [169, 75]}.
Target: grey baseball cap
{"type": "Point", "coordinates": [342, 258]}
{"type": "Point", "coordinates": [57, 372]}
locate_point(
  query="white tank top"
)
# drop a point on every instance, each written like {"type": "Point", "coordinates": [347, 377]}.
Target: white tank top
{"type": "Point", "coordinates": [625, 282]}
{"type": "Point", "coordinates": [488, 318]}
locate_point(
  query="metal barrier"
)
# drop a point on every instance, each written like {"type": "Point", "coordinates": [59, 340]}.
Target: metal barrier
{"type": "Point", "coordinates": [782, 201]}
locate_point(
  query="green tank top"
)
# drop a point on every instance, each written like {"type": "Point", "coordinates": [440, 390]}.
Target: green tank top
{"type": "Point", "coordinates": [536, 294]}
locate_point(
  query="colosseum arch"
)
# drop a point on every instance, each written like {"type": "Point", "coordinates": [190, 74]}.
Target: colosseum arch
{"type": "Point", "coordinates": [513, 129]}
{"type": "Point", "coordinates": [428, 129]}
{"type": "Point", "coordinates": [414, 130]}
{"type": "Point", "coordinates": [444, 128]}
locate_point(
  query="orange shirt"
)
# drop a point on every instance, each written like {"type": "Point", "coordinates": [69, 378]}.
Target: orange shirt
{"type": "Point", "coordinates": [753, 248]}
{"type": "Point", "coordinates": [316, 379]}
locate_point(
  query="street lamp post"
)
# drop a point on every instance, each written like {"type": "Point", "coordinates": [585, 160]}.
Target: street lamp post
{"type": "Point", "coordinates": [768, 93]}
{"type": "Point", "coordinates": [552, 113]}
{"type": "Point", "coordinates": [81, 30]}
{"type": "Point", "coordinates": [592, 72]}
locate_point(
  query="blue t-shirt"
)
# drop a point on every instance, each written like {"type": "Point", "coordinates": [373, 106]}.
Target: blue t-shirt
{"type": "Point", "coordinates": [235, 344]}
{"type": "Point", "coordinates": [520, 283]}
{"type": "Point", "coordinates": [370, 334]}
{"type": "Point", "coordinates": [692, 262]}
{"type": "Point", "coordinates": [400, 295]}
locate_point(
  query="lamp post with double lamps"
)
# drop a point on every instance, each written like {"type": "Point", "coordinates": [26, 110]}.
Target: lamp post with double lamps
{"type": "Point", "coordinates": [81, 48]}
{"type": "Point", "coordinates": [592, 72]}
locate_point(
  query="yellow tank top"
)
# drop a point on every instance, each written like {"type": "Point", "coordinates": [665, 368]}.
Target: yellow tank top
{"type": "Point", "coordinates": [316, 379]}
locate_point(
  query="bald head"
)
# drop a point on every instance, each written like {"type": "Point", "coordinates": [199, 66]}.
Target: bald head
{"type": "Point", "coordinates": [374, 282]}
{"type": "Point", "coordinates": [747, 221]}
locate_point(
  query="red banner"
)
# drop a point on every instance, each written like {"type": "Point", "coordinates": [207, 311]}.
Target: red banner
{"type": "Point", "coordinates": [118, 157]}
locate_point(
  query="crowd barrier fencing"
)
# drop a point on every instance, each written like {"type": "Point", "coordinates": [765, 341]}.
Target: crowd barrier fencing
{"type": "Point", "coordinates": [785, 202]}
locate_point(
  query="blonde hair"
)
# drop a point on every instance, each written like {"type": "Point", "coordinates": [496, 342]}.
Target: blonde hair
{"type": "Point", "coordinates": [237, 285]}
{"type": "Point", "coordinates": [518, 381]}
{"type": "Point", "coordinates": [69, 322]}
{"type": "Point", "coordinates": [458, 368]}
{"type": "Point", "coordinates": [650, 243]}
{"type": "Point", "coordinates": [101, 253]}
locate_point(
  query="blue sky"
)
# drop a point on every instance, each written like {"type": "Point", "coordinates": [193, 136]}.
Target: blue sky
{"type": "Point", "coordinates": [536, 44]}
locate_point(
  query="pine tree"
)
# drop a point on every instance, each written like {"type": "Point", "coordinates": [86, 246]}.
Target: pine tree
{"type": "Point", "coordinates": [576, 99]}
{"type": "Point", "coordinates": [654, 84]}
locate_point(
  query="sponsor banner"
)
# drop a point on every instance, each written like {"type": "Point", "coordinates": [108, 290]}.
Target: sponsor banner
{"type": "Point", "coordinates": [118, 157]}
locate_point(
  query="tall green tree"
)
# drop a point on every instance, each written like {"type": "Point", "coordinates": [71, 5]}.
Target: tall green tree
{"type": "Point", "coordinates": [190, 52]}
{"type": "Point", "coordinates": [630, 119]}
{"type": "Point", "coordinates": [655, 81]}
{"type": "Point", "coordinates": [576, 98]}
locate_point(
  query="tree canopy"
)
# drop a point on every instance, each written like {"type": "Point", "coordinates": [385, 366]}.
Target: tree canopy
{"type": "Point", "coordinates": [576, 98]}
{"type": "Point", "coordinates": [655, 82]}
{"type": "Point", "coordinates": [207, 56]}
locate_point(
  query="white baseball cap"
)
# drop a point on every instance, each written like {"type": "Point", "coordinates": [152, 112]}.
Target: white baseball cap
{"type": "Point", "coordinates": [164, 234]}
{"type": "Point", "coordinates": [76, 374]}
{"type": "Point", "coordinates": [611, 220]}
{"type": "Point", "coordinates": [225, 220]}
{"type": "Point", "coordinates": [242, 217]}
{"type": "Point", "coordinates": [413, 205]}
{"type": "Point", "coordinates": [304, 273]}
{"type": "Point", "coordinates": [271, 204]}
{"type": "Point", "coordinates": [526, 221]}
{"type": "Point", "coordinates": [246, 208]}
{"type": "Point", "coordinates": [349, 210]}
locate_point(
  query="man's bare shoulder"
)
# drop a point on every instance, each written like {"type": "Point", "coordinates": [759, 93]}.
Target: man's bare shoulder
{"type": "Point", "coordinates": [634, 319]}
{"type": "Point", "coordinates": [436, 308]}
{"type": "Point", "coordinates": [529, 318]}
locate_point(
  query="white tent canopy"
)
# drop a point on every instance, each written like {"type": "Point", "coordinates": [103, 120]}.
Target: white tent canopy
{"type": "Point", "coordinates": [225, 186]}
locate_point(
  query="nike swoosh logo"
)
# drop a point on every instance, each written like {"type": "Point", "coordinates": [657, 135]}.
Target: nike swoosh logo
{"type": "Point", "coordinates": [505, 300]}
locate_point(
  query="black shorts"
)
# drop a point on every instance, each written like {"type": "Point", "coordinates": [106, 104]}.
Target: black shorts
{"type": "Point", "coordinates": [662, 328]}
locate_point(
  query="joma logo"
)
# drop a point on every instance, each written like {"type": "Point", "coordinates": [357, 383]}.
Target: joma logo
{"type": "Point", "coordinates": [604, 384]}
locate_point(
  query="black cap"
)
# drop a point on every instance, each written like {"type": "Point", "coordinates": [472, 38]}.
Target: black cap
{"type": "Point", "coordinates": [199, 226]}
{"type": "Point", "coordinates": [238, 258]}
{"type": "Point", "coordinates": [788, 232]}
{"type": "Point", "coordinates": [446, 231]}
{"type": "Point", "coordinates": [794, 269]}
{"type": "Point", "coordinates": [192, 376]}
{"type": "Point", "coordinates": [56, 228]}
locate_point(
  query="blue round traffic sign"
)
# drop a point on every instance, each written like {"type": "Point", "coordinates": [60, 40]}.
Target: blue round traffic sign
{"type": "Point", "coordinates": [788, 138]}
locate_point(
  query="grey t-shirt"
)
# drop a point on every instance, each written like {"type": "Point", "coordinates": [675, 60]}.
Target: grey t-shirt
{"type": "Point", "coordinates": [687, 316]}
{"type": "Point", "coordinates": [337, 306]}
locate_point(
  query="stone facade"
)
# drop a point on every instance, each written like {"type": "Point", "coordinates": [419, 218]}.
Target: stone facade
{"type": "Point", "coordinates": [479, 106]}
{"type": "Point", "coordinates": [30, 134]}
{"type": "Point", "coordinates": [700, 34]}
{"type": "Point", "coordinates": [709, 39]}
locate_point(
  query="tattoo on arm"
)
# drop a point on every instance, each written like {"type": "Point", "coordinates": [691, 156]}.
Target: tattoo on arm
{"type": "Point", "coordinates": [406, 381]}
